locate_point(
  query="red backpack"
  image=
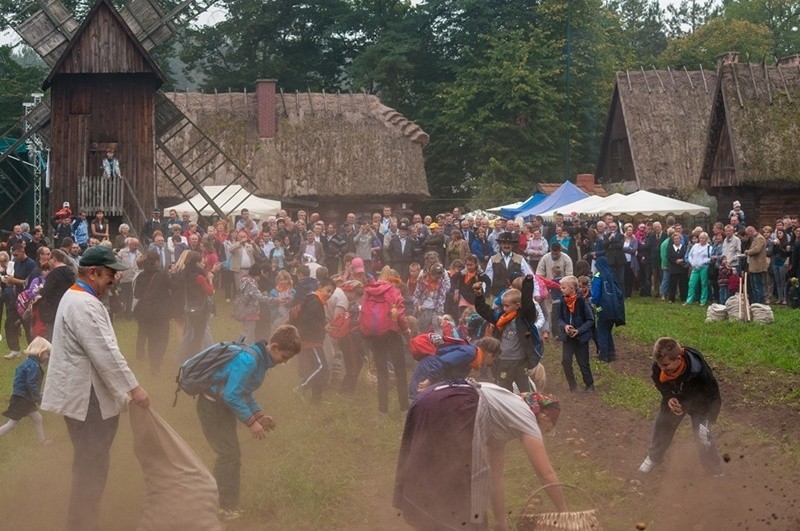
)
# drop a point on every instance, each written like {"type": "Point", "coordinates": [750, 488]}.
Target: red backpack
{"type": "Point", "coordinates": [382, 310]}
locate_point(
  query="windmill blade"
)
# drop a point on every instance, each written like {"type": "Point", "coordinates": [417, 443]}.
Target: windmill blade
{"type": "Point", "coordinates": [194, 158]}
{"type": "Point", "coordinates": [37, 119]}
{"type": "Point", "coordinates": [152, 25]}
{"type": "Point", "coordinates": [48, 30]}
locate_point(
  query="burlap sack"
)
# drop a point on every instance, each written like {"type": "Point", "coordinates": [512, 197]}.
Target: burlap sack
{"type": "Point", "coordinates": [716, 312]}
{"type": "Point", "coordinates": [732, 305]}
{"type": "Point", "coordinates": [181, 492]}
{"type": "Point", "coordinates": [762, 313]}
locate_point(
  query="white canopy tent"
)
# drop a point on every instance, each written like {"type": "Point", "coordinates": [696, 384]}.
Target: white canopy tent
{"type": "Point", "coordinates": [647, 203]}
{"type": "Point", "coordinates": [231, 199]}
{"type": "Point", "coordinates": [578, 206]}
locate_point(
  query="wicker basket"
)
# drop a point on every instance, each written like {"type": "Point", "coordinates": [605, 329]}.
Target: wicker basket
{"type": "Point", "coordinates": [553, 521]}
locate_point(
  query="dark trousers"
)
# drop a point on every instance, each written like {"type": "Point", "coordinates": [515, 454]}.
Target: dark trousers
{"type": "Point", "coordinates": [664, 430]}
{"type": "Point", "coordinates": [13, 326]}
{"type": "Point", "coordinates": [312, 368]}
{"type": "Point", "coordinates": [755, 282]}
{"type": "Point", "coordinates": [91, 441]}
{"type": "Point", "coordinates": [678, 281]}
{"type": "Point", "coordinates": [219, 427]}
{"type": "Point", "coordinates": [151, 341]}
{"type": "Point", "coordinates": [630, 280]}
{"type": "Point", "coordinates": [645, 277]}
{"type": "Point", "coordinates": [510, 372]}
{"type": "Point", "coordinates": [388, 347]}
{"type": "Point", "coordinates": [606, 350]}
{"type": "Point", "coordinates": [570, 348]}
{"type": "Point", "coordinates": [352, 353]}
{"type": "Point", "coordinates": [126, 296]}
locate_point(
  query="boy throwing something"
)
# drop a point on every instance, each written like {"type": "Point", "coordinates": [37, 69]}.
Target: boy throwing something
{"type": "Point", "coordinates": [231, 398]}
{"type": "Point", "coordinates": [687, 386]}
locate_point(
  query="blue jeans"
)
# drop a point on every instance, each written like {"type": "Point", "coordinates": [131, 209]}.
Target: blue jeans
{"type": "Point", "coordinates": [756, 281]}
{"type": "Point", "coordinates": [664, 283]}
{"type": "Point", "coordinates": [605, 340]}
{"type": "Point", "coordinates": [723, 294]}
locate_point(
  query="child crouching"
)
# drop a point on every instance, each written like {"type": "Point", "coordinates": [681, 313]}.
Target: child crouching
{"type": "Point", "coordinates": [26, 394]}
{"type": "Point", "coordinates": [453, 362]}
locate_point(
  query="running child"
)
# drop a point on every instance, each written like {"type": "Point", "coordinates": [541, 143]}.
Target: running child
{"type": "Point", "coordinates": [27, 391]}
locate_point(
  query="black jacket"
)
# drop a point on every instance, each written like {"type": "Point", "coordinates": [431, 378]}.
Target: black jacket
{"type": "Point", "coordinates": [696, 389]}
{"type": "Point", "coordinates": [613, 246]}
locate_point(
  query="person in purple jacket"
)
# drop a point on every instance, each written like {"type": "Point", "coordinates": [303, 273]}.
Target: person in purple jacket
{"type": "Point", "coordinates": [453, 361]}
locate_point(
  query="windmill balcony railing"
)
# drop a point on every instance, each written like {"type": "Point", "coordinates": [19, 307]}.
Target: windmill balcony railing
{"type": "Point", "coordinates": [101, 193]}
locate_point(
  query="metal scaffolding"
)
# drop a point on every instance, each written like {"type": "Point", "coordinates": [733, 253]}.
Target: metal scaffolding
{"type": "Point", "coordinates": [38, 158]}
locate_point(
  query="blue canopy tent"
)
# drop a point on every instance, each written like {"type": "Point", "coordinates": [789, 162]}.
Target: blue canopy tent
{"type": "Point", "coordinates": [510, 212]}
{"type": "Point", "coordinates": [565, 194]}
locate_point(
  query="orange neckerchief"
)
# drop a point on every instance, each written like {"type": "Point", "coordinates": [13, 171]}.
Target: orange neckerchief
{"type": "Point", "coordinates": [282, 287]}
{"type": "Point", "coordinates": [664, 377]}
{"type": "Point", "coordinates": [505, 319]}
{"type": "Point", "coordinates": [475, 364]}
{"type": "Point", "coordinates": [570, 300]}
{"type": "Point", "coordinates": [322, 299]}
{"type": "Point", "coordinates": [431, 284]}
{"type": "Point", "coordinates": [468, 276]}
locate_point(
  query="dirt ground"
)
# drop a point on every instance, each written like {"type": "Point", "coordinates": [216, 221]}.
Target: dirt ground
{"type": "Point", "coordinates": [758, 490]}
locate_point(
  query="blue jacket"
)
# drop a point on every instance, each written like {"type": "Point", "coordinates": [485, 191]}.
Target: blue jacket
{"type": "Point", "coordinates": [241, 376]}
{"type": "Point", "coordinates": [582, 319]}
{"type": "Point", "coordinates": [28, 380]}
{"type": "Point", "coordinates": [450, 362]}
{"type": "Point", "coordinates": [607, 294]}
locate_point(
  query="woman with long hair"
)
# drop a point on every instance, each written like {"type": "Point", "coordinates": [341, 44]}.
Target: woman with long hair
{"type": "Point", "coordinates": [152, 287]}
{"type": "Point", "coordinates": [197, 286]}
{"type": "Point", "coordinates": [99, 226]}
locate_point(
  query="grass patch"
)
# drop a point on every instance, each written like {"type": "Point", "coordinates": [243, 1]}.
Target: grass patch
{"type": "Point", "coordinates": [626, 392]}
{"type": "Point", "coordinates": [732, 343]}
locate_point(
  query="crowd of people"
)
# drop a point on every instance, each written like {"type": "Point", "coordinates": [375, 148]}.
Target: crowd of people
{"type": "Point", "coordinates": [360, 293]}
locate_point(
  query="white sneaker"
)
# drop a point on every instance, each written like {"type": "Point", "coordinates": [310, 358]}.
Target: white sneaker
{"type": "Point", "coordinates": [647, 465]}
{"type": "Point", "coordinates": [14, 354]}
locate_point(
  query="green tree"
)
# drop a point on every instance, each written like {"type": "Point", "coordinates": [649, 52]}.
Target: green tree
{"type": "Point", "coordinates": [642, 28]}
{"type": "Point", "coordinates": [782, 17]}
{"type": "Point", "coordinates": [303, 44]}
{"type": "Point", "coordinates": [690, 15]}
{"type": "Point", "coordinates": [16, 84]}
{"type": "Point", "coordinates": [498, 123]}
{"type": "Point", "coordinates": [718, 36]}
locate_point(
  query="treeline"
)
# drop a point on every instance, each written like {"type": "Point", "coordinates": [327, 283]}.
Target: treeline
{"type": "Point", "coordinates": [511, 92]}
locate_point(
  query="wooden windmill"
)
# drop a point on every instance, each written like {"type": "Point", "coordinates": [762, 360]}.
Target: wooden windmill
{"type": "Point", "coordinates": [105, 97]}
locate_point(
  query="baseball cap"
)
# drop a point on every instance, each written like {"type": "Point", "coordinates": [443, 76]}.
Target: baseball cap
{"type": "Point", "coordinates": [100, 255]}
{"type": "Point", "coordinates": [357, 265]}
{"type": "Point", "coordinates": [65, 205]}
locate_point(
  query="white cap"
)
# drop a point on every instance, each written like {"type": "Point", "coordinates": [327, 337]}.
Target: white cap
{"type": "Point", "coordinates": [737, 203]}
{"type": "Point", "coordinates": [65, 205]}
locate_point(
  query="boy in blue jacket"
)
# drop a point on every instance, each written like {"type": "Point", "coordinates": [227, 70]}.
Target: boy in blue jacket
{"type": "Point", "coordinates": [230, 398]}
{"type": "Point", "coordinates": [575, 321]}
{"type": "Point", "coordinates": [453, 362]}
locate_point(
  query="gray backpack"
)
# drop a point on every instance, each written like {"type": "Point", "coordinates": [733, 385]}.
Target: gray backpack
{"type": "Point", "coordinates": [195, 374]}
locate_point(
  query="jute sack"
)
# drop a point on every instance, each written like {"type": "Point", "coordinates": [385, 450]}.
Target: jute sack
{"type": "Point", "coordinates": [181, 492]}
{"type": "Point", "coordinates": [716, 312]}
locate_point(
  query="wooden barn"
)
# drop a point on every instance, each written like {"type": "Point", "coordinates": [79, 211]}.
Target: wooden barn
{"type": "Point", "coordinates": [752, 152]}
{"type": "Point", "coordinates": [656, 130]}
{"type": "Point", "coordinates": [103, 89]}
{"type": "Point", "coordinates": [344, 152]}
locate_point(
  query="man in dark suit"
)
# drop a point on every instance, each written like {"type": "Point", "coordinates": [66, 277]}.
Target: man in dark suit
{"type": "Point", "coordinates": [614, 253]}
{"type": "Point", "coordinates": [401, 251]}
{"type": "Point", "coordinates": [655, 239]}
{"type": "Point", "coordinates": [151, 226]}
{"type": "Point", "coordinates": [466, 230]}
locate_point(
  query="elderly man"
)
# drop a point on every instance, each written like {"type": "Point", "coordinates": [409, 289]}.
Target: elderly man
{"type": "Point", "coordinates": [128, 256]}
{"type": "Point", "coordinates": [731, 247]}
{"type": "Point", "coordinates": [506, 265]}
{"type": "Point", "coordinates": [401, 251]}
{"type": "Point", "coordinates": [88, 382]}
{"type": "Point", "coordinates": [756, 263]}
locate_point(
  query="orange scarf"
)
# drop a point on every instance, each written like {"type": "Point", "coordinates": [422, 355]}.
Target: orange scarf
{"type": "Point", "coordinates": [505, 319]}
{"type": "Point", "coordinates": [570, 300]}
{"type": "Point", "coordinates": [468, 276]}
{"type": "Point", "coordinates": [431, 284]}
{"type": "Point", "coordinates": [475, 364]}
{"type": "Point", "coordinates": [664, 377]}
{"type": "Point", "coordinates": [322, 298]}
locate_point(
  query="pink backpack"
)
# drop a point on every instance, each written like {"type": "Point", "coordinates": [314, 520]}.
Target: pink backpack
{"type": "Point", "coordinates": [382, 310]}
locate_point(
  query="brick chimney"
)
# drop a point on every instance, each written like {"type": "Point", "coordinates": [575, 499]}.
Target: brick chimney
{"type": "Point", "coordinates": [265, 103]}
{"type": "Point", "coordinates": [585, 181]}
{"type": "Point", "coordinates": [790, 60]}
{"type": "Point", "coordinates": [727, 58]}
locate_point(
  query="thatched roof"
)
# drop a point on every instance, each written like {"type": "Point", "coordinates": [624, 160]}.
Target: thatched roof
{"type": "Point", "coordinates": [665, 116]}
{"type": "Point", "coordinates": [760, 105]}
{"type": "Point", "coordinates": [326, 145]}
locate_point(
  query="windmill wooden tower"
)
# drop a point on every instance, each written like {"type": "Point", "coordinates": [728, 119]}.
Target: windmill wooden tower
{"type": "Point", "coordinates": [104, 97]}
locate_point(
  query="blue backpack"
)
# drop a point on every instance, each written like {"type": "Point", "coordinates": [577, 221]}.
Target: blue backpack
{"type": "Point", "coordinates": [195, 374]}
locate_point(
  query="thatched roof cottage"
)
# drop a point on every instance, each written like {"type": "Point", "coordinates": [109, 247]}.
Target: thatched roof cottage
{"type": "Point", "coordinates": [346, 152]}
{"type": "Point", "coordinates": [753, 143]}
{"type": "Point", "coordinates": [656, 130]}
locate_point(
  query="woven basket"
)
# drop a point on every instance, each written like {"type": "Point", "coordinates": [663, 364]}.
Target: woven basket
{"type": "Point", "coordinates": [553, 521]}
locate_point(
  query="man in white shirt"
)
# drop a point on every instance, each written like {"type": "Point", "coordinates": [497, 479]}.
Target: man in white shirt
{"type": "Point", "coordinates": [88, 381]}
